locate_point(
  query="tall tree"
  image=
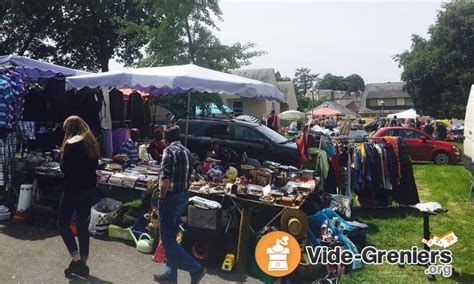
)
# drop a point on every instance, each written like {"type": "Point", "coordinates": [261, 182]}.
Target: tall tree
{"type": "Point", "coordinates": [439, 71]}
{"type": "Point", "coordinates": [351, 83]}
{"type": "Point", "coordinates": [354, 83]}
{"type": "Point", "coordinates": [185, 35]}
{"type": "Point", "coordinates": [304, 80]}
{"type": "Point", "coordinates": [26, 25]}
{"type": "Point", "coordinates": [78, 33]}
{"type": "Point", "coordinates": [93, 32]}
{"type": "Point", "coordinates": [332, 82]}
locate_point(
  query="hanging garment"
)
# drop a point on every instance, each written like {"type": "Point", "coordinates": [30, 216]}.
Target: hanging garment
{"type": "Point", "coordinates": [34, 107]}
{"type": "Point", "coordinates": [25, 130]}
{"type": "Point", "coordinates": [136, 111]}
{"type": "Point", "coordinates": [105, 117]}
{"type": "Point", "coordinates": [56, 101]}
{"type": "Point", "coordinates": [119, 136]}
{"type": "Point", "coordinates": [392, 140]}
{"type": "Point", "coordinates": [90, 106]}
{"type": "Point", "coordinates": [106, 143]}
{"type": "Point", "coordinates": [147, 107]}
{"type": "Point", "coordinates": [6, 101]}
{"type": "Point", "coordinates": [117, 105]}
{"type": "Point", "coordinates": [406, 192]}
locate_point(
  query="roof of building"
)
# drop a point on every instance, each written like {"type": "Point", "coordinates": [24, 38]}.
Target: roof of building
{"type": "Point", "coordinates": [266, 75]}
{"type": "Point", "coordinates": [288, 89]}
{"type": "Point", "coordinates": [390, 90]}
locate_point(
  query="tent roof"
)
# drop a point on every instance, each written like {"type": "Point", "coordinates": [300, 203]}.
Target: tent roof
{"type": "Point", "coordinates": [178, 79]}
{"type": "Point", "coordinates": [335, 106]}
{"type": "Point", "coordinates": [36, 69]}
{"type": "Point", "coordinates": [409, 113]}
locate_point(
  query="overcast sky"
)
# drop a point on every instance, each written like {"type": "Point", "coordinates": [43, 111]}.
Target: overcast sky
{"type": "Point", "coordinates": [339, 37]}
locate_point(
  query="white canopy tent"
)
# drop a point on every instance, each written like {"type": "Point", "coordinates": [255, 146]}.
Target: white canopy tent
{"type": "Point", "coordinates": [410, 113]}
{"type": "Point", "coordinates": [179, 79]}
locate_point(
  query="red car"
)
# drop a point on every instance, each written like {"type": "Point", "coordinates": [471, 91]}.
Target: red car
{"type": "Point", "coordinates": [422, 146]}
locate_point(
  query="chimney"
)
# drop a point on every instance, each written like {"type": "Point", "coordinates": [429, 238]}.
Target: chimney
{"type": "Point", "coordinates": [332, 96]}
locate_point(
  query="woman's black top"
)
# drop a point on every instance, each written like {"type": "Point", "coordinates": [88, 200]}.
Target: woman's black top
{"type": "Point", "coordinates": [78, 167]}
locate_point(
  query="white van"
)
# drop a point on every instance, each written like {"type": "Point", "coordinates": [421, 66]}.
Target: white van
{"type": "Point", "coordinates": [468, 156]}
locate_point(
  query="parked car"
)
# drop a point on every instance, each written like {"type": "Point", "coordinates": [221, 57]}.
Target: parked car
{"type": "Point", "coordinates": [257, 140]}
{"type": "Point", "coordinates": [424, 147]}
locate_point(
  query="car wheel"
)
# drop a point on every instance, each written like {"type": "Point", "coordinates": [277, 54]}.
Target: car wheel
{"type": "Point", "coordinates": [441, 158]}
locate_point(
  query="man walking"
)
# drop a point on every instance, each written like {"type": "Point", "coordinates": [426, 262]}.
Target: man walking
{"type": "Point", "coordinates": [176, 169]}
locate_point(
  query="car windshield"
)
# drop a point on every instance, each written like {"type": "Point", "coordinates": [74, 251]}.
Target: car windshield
{"type": "Point", "coordinates": [274, 136]}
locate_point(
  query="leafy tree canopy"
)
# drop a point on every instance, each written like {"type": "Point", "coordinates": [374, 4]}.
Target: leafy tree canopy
{"type": "Point", "coordinates": [351, 83]}
{"type": "Point", "coordinates": [439, 71]}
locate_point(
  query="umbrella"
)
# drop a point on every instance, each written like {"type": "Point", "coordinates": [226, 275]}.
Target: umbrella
{"type": "Point", "coordinates": [326, 111]}
{"type": "Point", "coordinates": [292, 115]}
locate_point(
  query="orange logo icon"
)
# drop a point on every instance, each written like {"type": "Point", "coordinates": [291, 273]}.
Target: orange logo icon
{"type": "Point", "coordinates": [278, 254]}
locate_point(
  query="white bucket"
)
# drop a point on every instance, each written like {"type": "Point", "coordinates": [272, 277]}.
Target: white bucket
{"type": "Point", "coordinates": [4, 213]}
{"type": "Point", "coordinates": [26, 194]}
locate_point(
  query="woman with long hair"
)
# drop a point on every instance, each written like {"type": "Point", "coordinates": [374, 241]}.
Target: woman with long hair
{"type": "Point", "coordinates": [80, 154]}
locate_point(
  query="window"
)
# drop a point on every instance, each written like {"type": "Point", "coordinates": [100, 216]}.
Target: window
{"type": "Point", "coordinates": [193, 126]}
{"type": "Point", "coordinates": [246, 134]}
{"type": "Point", "coordinates": [394, 132]}
{"type": "Point", "coordinates": [271, 134]}
{"type": "Point", "coordinates": [373, 102]}
{"type": "Point", "coordinates": [238, 108]}
{"type": "Point", "coordinates": [412, 134]}
{"type": "Point", "coordinates": [218, 131]}
{"type": "Point", "coordinates": [387, 102]}
{"type": "Point", "coordinates": [400, 101]}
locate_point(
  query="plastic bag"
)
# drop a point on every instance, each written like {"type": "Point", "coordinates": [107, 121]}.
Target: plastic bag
{"type": "Point", "coordinates": [103, 214]}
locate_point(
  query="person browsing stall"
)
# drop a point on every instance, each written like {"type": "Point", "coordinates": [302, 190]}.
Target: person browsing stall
{"type": "Point", "coordinates": [130, 147]}
{"type": "Point", "coordinates": [176, 169]}
{"type": "Point", "coordinates": [79, 159]}
{"type": "Point", "coordinates": [217, 154]}
{"type": "Point", "coordinates": [157, 146]}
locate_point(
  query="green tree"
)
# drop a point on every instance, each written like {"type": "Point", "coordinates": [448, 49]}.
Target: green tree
{"type": "Point", "coordinates": [304, 80]}
{"type": "Point", "coordinates": [77, 33]}
{"type": "Point", "coordinates": [332, 82]}
{"type": "Point", "coordinates": [354, 83]}
{"type": "Point", "coordinates": [185, 35]}
{"type": "Point", "coordinates": [25, 26]}
{"type": "Point", "coordinates": [439, 71]}
{"type": "Point", "coordinates": [93, 32]}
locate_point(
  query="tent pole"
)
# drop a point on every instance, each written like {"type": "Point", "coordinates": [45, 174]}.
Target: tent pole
{"type": "Point", "coordinates": [187, 119]}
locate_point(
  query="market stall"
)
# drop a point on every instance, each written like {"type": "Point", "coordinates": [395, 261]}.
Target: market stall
{"type": "Point", "coordinates": [233, 205]}
{"type": "Point", "coordinates": [27, 119]}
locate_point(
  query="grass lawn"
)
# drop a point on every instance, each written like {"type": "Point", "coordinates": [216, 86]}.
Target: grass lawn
{"type": "Point", "coordinates": [402, 228]}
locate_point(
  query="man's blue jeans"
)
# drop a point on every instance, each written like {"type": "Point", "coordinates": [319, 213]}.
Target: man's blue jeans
{"type": "Point", "coordinates": [170, 211]}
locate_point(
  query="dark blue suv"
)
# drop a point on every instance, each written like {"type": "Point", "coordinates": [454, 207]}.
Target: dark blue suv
{"type": "Point", "coordinates": [257, 140]}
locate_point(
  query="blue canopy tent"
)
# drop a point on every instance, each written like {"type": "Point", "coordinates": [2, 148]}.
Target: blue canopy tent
{"type": "Point", "coordinates": [214, 110]}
